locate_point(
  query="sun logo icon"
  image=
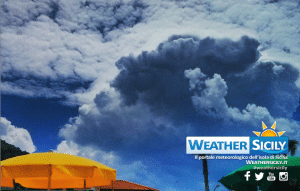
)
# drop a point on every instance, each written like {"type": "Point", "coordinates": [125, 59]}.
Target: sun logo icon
{"type": "Point", "coordinates": [269, 132]}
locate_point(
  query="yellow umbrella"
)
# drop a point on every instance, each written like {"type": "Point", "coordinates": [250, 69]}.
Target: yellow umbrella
{"type": "Point", "coordinates": [55, 171]}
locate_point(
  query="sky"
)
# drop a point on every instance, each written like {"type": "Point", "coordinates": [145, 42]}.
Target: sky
{"type": "Point", "coordinates": [125, 82]}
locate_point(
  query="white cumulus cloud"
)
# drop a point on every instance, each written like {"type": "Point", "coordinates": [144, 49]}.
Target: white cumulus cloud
{"type": "Point", "coordinates": [16, 136]}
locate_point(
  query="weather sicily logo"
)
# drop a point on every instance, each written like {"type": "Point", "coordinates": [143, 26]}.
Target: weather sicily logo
{"type": "Point", "coordinates": [269, 141]}
{"type": "Point", "coordinates": [266, 142]}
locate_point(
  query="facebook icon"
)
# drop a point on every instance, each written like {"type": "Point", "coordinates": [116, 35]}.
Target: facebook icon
{"type": "Point", "coordinates": [247, 175]}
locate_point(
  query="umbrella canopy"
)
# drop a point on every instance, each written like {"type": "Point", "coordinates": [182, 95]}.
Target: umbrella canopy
{"type": "Point", "coordinates": [55, 170]}
{"type": "Point", "coordinates": [236, 180]}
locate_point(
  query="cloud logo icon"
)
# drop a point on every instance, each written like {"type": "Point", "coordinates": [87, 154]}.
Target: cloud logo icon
{"type": "Point", "coordinates": [259, 176]}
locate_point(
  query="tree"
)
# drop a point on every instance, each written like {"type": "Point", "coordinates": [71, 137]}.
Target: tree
{"type": "Point", "coordinates": [293, 145]}
{"type": "Point", "coordinates": [205, 171]}
{"type": "Point", "coordinates": [9, 151]}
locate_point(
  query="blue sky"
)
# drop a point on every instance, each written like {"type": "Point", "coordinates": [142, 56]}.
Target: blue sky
{"type": "Point", "coordinates": [124, 82]}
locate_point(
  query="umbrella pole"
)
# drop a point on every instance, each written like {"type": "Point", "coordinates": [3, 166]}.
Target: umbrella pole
{"type": "Point", "coordinates": [84, 184]}
{"type": "Point", "coordinates": [49, 177]}
{"type": "Point", "coordinates": [14, 183]}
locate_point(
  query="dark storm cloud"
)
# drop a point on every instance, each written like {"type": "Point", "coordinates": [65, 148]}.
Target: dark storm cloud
{"type": "Point", "coordinates": [157, 78]}
{"type": "Point", "coordinates": [188, 86]}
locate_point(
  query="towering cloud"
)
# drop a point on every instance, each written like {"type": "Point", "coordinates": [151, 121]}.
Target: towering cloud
{"type": "Point", "coordinates": [184, 86]}
{"type": "Point", "coordinates": [157, 78]}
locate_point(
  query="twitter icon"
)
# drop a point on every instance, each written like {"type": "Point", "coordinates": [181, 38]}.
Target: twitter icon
{"type": "Point", "coordinates": [259, 176]}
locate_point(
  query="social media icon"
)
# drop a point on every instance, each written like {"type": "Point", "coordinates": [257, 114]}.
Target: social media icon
{"type": "Point", "coordinates": [283, 176]}
{"type": "Point", "coordinates": [271, 177]}
{"type": "Point", "coordinates": [247, 175]}
{"type": "Point", "coordinates": [259, 176]}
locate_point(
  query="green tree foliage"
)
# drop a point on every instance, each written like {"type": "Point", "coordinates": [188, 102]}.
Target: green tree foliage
{"type": "Point", "coordinates": [293, 146]}
{"type": "Point", "coordinates": [9, 151]}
